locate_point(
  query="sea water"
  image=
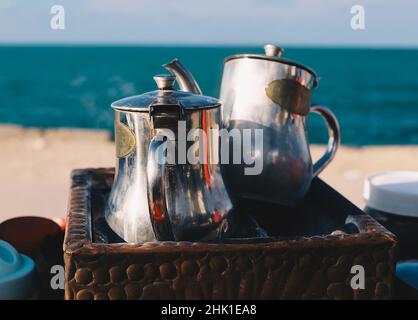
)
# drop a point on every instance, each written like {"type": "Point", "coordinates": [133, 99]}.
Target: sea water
{"type": "Point", "coordinates": [373, 92]}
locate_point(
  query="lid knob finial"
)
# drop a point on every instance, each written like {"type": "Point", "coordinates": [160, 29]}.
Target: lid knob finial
{"type": "Point", "coordinates": [272, 50]}
{"type": "Point", "coordinates": [165, 81]}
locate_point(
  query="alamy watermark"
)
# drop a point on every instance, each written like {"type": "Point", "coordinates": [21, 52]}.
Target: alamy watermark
{"type": "Point", "coordinates": [58, 277]}
{"type": "Point", "coordinates": [198, 146]}
{"type": "Point", "coordinates": [358, 20]}
{"type": "Point", "coordinates": [357, 281]}
{"type": "Point", "coordinates": [57, 21]}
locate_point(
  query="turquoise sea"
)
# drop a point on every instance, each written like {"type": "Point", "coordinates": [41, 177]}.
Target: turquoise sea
{"type": "Point", "coordinates": [373, 92]}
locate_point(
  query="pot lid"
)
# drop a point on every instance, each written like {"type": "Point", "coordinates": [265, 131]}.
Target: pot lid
{"type": "Point", "coordinates": [166, 95]}
{"type": "Point", "coordinates": [394, 192]}
{"type": "Point", "coordinates": [273, 53]}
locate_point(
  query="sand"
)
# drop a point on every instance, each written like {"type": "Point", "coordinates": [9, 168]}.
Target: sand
{"type": "Point", "coordinates": [36, 164]}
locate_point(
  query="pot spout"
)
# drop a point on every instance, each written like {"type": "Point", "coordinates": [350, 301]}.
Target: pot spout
{"type": "Point", "coordinates": [184, 78]}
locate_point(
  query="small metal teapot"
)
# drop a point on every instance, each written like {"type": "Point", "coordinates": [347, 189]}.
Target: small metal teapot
{"type": "Point", "coordinates": [159, 192]}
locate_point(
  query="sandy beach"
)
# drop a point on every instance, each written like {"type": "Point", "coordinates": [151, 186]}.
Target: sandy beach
{"type": "Point", "coordinates": [36, 165]}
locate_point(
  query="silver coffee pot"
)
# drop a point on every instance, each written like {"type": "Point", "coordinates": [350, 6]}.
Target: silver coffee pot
{"type": "Point", "coordinates": [270, 95]}
{"type": "Point", "coordinates": [158, 192]}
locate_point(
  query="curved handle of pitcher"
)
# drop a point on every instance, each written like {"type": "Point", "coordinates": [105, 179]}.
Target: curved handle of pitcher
{"type": "Point", "coordinates": [333, 141]}
{"type": "Point", "coordinates": [156, 189]}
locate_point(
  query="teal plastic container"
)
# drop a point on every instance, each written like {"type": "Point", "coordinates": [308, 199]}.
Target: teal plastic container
{"type": "Point", "coordinates": [17, 274]}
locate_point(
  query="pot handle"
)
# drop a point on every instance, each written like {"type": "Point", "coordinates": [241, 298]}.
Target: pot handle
{"type": "Point", "coordinates": [156, 189]}
{"type": "Point", "coordinates": [333, 141]}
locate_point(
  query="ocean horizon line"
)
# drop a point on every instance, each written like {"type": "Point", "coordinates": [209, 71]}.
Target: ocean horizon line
{"type": "Point", "coordinates": [205, 45]}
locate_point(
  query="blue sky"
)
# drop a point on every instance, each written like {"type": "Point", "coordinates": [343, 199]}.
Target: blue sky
{"type": "Point", "coordinates": [288, 22]}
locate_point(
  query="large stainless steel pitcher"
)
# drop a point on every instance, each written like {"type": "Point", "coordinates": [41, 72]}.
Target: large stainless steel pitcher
{"type": "Point", "coordinates": [273, 94]}
{"type": "Point", "coordinates": [161, 194]}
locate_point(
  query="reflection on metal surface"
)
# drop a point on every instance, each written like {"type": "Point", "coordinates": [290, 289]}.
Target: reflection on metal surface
{"type": "Point", "coordinates": [272, 50]}
{"type": "Point", "coordinates": [156, 189]}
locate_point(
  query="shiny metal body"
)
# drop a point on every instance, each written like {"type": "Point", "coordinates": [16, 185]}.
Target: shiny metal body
{"type": "Point", "coordinates": [273, 94]}
{"type": "Point", "coordinates": [152, 200]}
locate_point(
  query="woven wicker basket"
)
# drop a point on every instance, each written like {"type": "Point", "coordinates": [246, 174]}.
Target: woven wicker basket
{"type": "Point", "coordinates": [310, 263]}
